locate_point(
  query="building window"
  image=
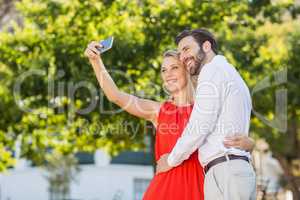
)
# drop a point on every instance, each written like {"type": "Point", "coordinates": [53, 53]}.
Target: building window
{"type": "Point", "coordinates": [140, 186]}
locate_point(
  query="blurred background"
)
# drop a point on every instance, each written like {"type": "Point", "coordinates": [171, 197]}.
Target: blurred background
{"type": "Point", "coordinates": [60, 138]}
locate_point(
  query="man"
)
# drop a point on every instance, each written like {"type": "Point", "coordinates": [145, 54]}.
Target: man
{"type": "Point", "coordinates": [222, 106]}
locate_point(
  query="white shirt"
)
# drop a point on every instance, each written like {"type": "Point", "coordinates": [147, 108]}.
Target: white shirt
{"type": "Point", "coordinates": [222, 108]}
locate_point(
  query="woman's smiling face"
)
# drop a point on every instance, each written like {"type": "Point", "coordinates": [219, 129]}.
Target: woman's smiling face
{"type": "Point", "coordinates": [174, 74]}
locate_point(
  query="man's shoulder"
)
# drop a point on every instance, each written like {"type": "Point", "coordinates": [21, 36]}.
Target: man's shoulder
{"type": "Point", "coordinates": [217, 69]}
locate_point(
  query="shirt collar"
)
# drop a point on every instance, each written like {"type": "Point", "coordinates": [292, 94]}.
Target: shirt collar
{"type": "Point", "coordinates": [217, 59]}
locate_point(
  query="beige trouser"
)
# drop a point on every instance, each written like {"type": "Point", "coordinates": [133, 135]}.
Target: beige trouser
{"type": "Point", "coordinates": [230, 180]}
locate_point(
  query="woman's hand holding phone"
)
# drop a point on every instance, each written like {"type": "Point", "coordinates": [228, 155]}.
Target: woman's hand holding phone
{"type": "Point", "coordinates": [92, 51]}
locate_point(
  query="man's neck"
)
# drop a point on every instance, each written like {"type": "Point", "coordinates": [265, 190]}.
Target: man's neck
{"type": "Point", "coordinates": [209, 57]}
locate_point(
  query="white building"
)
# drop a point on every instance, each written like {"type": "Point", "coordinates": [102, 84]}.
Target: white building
{"type": "Point", "coordinates": [124, 177]}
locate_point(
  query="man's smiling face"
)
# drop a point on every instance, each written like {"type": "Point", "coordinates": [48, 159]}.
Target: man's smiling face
{"type": "Point", "coordinates": [189, 54]}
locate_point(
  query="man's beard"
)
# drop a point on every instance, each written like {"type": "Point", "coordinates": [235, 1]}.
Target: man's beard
{"type": "Point", "coordinates": [199, 62]}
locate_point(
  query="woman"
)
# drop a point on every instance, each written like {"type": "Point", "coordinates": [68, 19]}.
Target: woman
{"type": "Point", "coordinates": [184, 182]}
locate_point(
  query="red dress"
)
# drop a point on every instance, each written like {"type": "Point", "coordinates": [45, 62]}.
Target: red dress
{"type": "Point", "coordinates": [184, 182]}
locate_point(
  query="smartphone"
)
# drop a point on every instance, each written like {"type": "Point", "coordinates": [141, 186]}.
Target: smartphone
{"type": "Point", "coordinates": [107, 44]}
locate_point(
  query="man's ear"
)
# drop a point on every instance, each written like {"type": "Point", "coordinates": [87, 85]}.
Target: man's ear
{"type": "Point", "coordinates": [206, 46]}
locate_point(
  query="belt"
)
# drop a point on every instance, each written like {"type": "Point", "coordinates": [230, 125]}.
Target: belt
{"type": "Point", "coordinates": [223, 159]}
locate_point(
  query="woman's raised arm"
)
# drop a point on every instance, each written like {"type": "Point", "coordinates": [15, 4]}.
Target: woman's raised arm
{"type": "Point", "coordinates": [143, 108]}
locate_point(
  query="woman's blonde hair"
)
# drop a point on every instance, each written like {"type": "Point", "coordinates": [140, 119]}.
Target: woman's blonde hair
{"type": "Point", "coordinates": [190, 85]}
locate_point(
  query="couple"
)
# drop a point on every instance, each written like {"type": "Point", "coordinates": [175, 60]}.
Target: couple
{"type": "Point", "coordinates": [201, 143]}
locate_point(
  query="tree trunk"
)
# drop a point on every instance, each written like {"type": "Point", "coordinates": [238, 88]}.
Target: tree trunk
{"type": "Point", "coordinates": [290, 178]}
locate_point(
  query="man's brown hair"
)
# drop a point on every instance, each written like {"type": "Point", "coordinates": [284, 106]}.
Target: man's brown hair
{"type": "Point", "coordinates": [200, 35]}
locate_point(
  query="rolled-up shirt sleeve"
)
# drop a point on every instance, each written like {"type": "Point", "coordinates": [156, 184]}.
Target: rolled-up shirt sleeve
{"type": "Point", "coordinates": [203, 117]}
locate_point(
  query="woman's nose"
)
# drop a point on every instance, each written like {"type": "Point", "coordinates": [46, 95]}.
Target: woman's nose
{"type": "Point", "coordinates": [168, 74]}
